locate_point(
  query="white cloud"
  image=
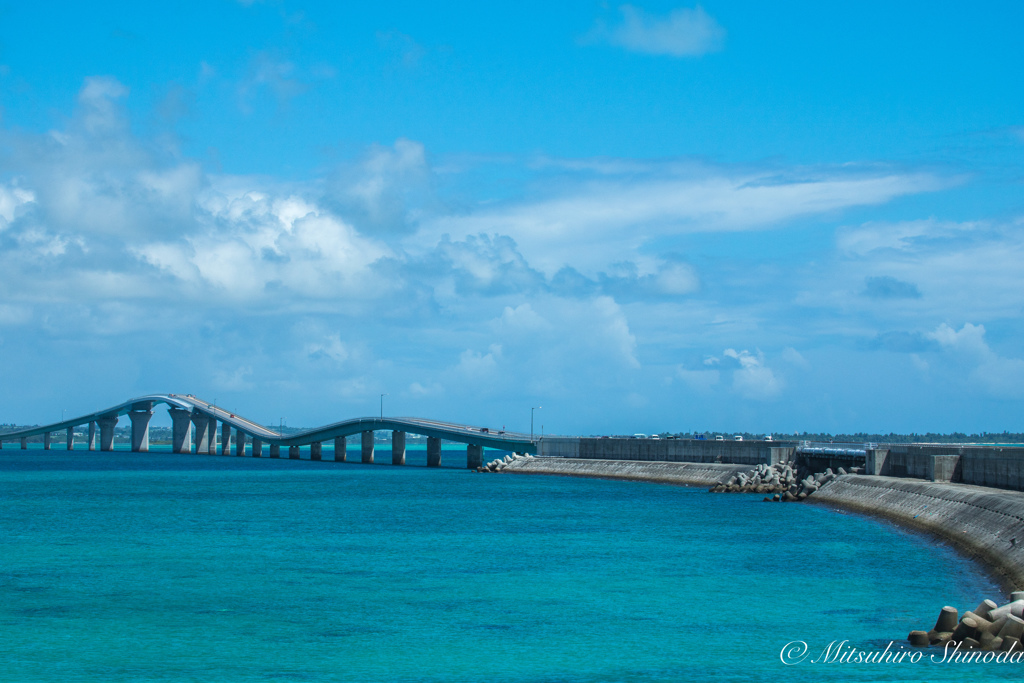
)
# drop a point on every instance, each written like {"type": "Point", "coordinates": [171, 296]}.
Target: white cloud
{"type": "Point", "coordinates": [1000, 376]}
{"type": "Point", "coordinates": [676, 279]}
{"type": "Point", "coordinates": [921, 271]}
{"type": "Point", "coordinates": [609, 316]}
{"type": "Point", "coordinates": [904, 236]}
{"type": "Point", "coordinates": [597, 223]}
{"type": "Point", "coordinates": [683, 32]}
{"type": "Point", "coordinates": [387, 187]}
{"type": "Point", "coordinates": [99, 112]}
{"type": "Point", "coordinates": [255, 239]}
{"type": "Point", "coordinates": [431, 389]}
{"type": "Point", "coordinates": [331, 348]}
{"type": "Point", "coordinates": [13, 202]}
{"type": "Point", "coordinates": [479, 366]}
{"type": "Point", "coordinates": [752, 379]}
{"type": "Point", "coordinates": [522, 319]}
{"type": "Point", "coordinates": [795, 358]}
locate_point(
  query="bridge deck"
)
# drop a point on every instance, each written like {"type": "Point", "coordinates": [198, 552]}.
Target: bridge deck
{"type": "Point", "coordinates": [449, 431]}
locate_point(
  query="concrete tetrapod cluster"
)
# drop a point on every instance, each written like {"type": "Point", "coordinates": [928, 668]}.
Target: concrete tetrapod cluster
{"type": "Point", "coordinates": [989, 627]}
{"type": "Point", "coordinates": [786, 480]}
{"type": "Point", "coordinates": [498, 464]}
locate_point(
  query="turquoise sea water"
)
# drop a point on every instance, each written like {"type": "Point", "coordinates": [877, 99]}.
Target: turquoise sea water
{"type": "Point", "coordinates": [161, 567]}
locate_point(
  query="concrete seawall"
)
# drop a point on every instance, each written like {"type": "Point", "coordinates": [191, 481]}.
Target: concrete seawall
{"type": "Point", "coordinates": [981, 465]}
{"type": "Point", "coordinates": [987, 524]}
{"type": "Point", "coordinates": [680, 473]}
{"type": "Point", "coordinates": [667, 450]}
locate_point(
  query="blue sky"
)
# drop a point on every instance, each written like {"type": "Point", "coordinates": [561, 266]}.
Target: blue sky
{"type": "Point", "coordinates": [643, 217]}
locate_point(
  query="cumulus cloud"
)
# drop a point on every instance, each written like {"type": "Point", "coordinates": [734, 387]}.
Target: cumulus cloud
{"type": "Point", "coordinates": [485, 264]}
{"type": "Point", "coordinates": [13, 202]}
{"type": "Point", "coordinates": [569, 289]}
{"type": "Point", "coordinates": [330, 348]}
{"type": "Point", "coordinates": [252, 241]}
{"type": "Point", "coordinates": [998, 375]}
{"type": "Point", "coordinates": [625, 281]}
{"type": "Point", "coordinates": [522, 320]}
{"type": "Point", "coordinates": [386, 189]}
{"type": "Point", "coordinates": [753, 379]}
{"type": "Point", "coordinates": [99, 112]}
{"type": "Point", "coordinates": [795, 358]}
{"type": "Point", "coordinates": [683, 32]}
{"type": "Point", "coordinates": [419, 390]}
{"type": "Point", "coordinates": [478, 366]}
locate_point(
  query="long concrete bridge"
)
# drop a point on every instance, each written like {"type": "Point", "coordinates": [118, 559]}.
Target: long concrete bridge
{"type": "Point", "coordinates": [195, 422]}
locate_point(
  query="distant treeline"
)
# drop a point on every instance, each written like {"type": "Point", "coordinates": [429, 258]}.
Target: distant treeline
{"type": "Point", "coordinates": [863, 437]}
{"type": "Point", "coordinates": [162, 434]}
{"type": "Point", "coordinates": [928, 437]}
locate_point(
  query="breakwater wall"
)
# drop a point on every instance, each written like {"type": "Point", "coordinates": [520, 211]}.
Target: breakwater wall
{"type": "Point", "coordinates": [686, 474]}
{"type": "Point", "coordinates": [668, 450]}
{"type": "Point", "coordinates": [984, 523]}
{"type": "Point", "coordinates": [994, 466]}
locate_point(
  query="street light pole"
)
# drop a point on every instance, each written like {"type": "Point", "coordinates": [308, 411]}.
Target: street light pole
{"type": "Point", "coordinates": [382, 406]}
{"type": "Point", "coordinates": [531, 420]}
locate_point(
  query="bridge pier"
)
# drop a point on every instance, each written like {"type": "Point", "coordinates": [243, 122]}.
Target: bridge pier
{"type": "Point", "coordinates": [316, 450]}
{"type": "Point", "coordinates": [24, 443]}
{"type": "Point", "coordinates": [181, 430]}
{"type": "Point", "coordinates": [71, 438]}
{"type": "Point", "coordinates": [275, 450]}
{"type": "Point", "coordinates": [433, 451]}
{"type": "Point", "coordinates": [293, 452]}
{"type": "Point", "coordinates": [225, 438]}
{"type": "Point", "coordinates": [46, 441]}
{"type": "Point", "coordinates": [257, 447]}
{"type": "Point", "coordinates": [239, 444]}
{"type": "Point", "coordinates": [92, 436]}
{"type": "Point", "coordinates": [107, 425]}
{"type": "Point", "coordinates": [397, 448]}
{"type": "Point", "coordinates": [368, 447]}
{"type": "Point", "coordinates": [474, 456]}
{"type": "Point", "coordinates": [340, 448]}
{"type": "Point", "coordinates": [140, 430]}
{"type": "Point", "coordinates": [203, 433]}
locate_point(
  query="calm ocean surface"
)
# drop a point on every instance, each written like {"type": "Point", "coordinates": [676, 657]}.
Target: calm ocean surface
{"type": "Point", "coordinates": [161, 567]}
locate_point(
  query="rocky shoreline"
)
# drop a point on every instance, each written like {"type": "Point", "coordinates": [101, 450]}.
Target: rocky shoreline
{"type": "Point", "coordinates": [787, 481]}
{"type": "Point", "coordinates": [989, 627]}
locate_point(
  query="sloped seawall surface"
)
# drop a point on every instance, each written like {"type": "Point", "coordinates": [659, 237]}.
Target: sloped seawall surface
{"type": "Point", "coordinates": [687, 474]}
